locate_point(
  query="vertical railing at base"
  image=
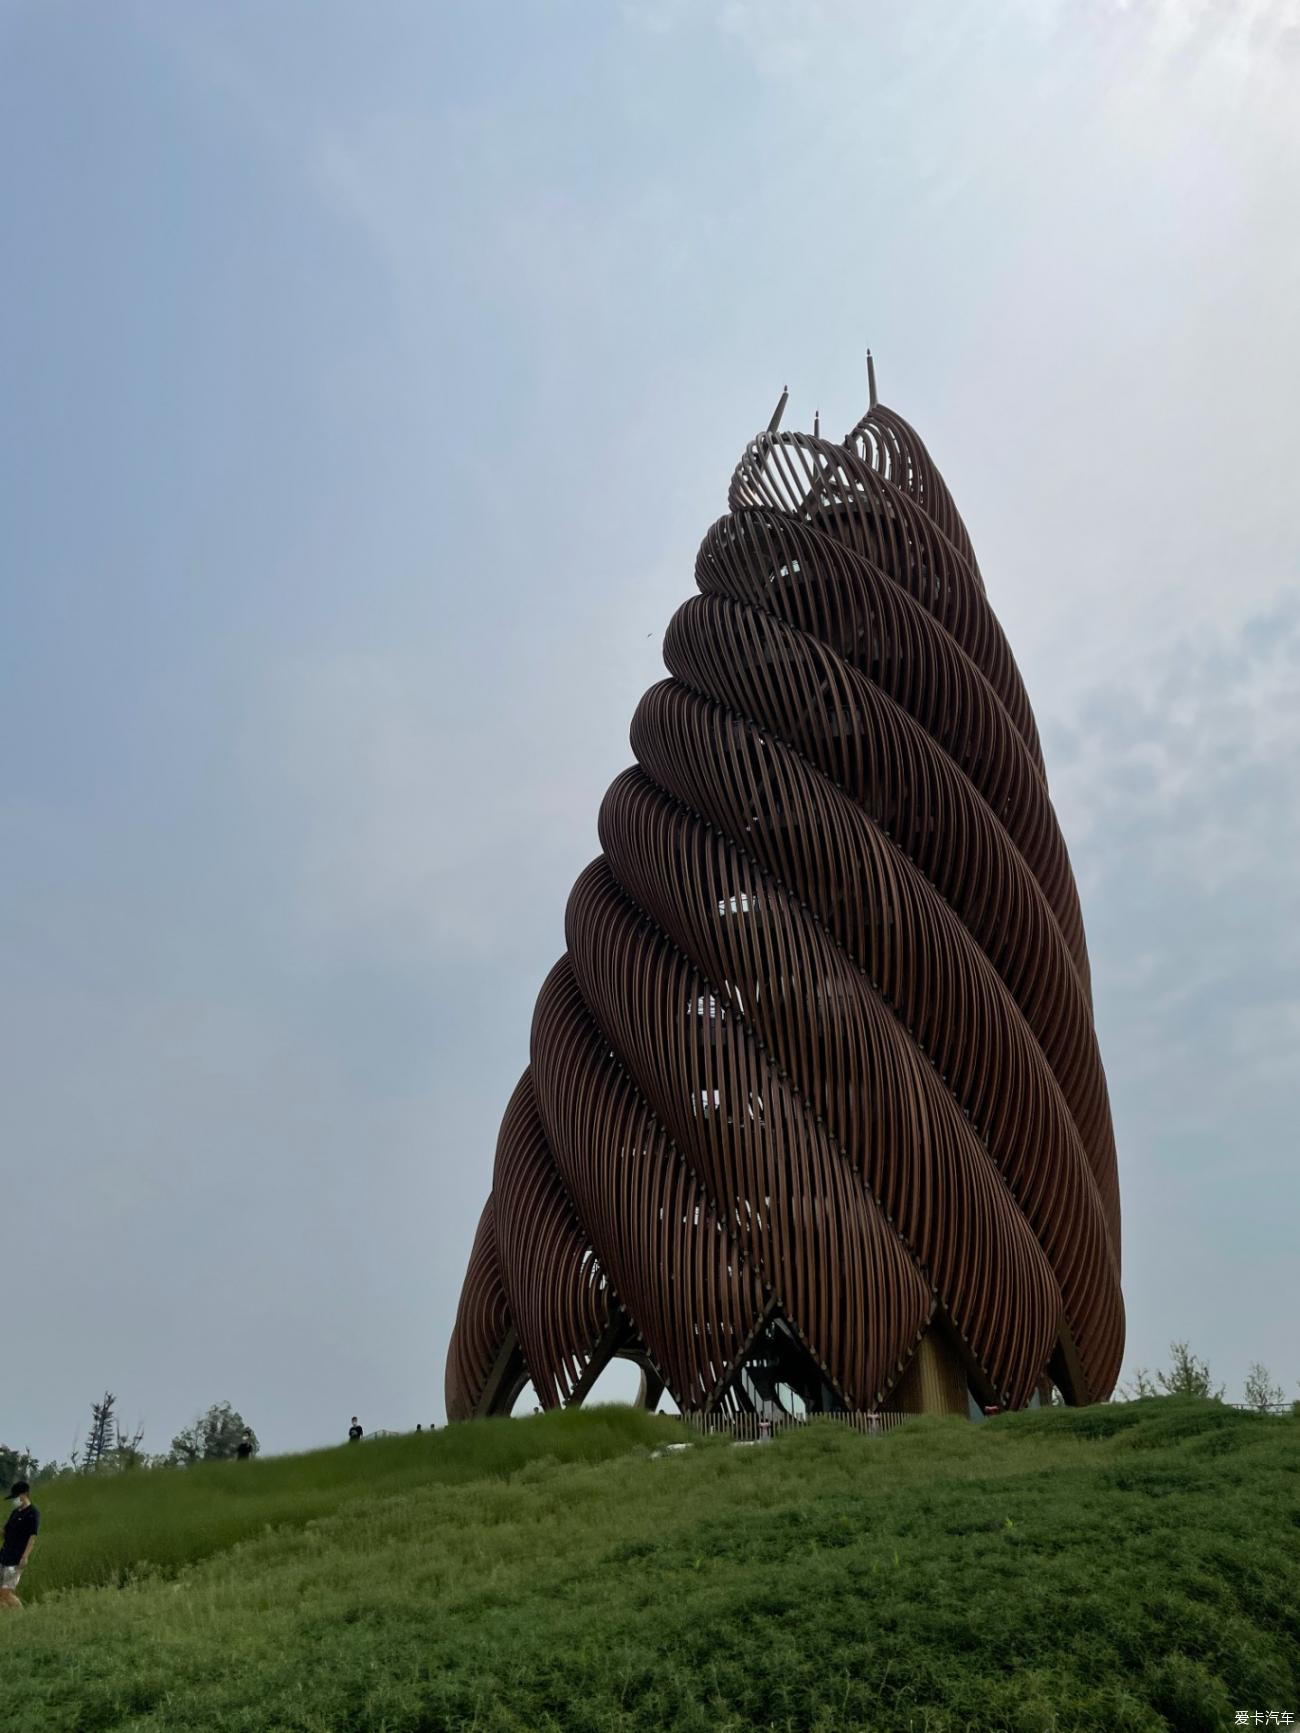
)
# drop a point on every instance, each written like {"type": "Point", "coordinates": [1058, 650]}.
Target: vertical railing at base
{"type": "Point", "coordinates": [744, 1428]}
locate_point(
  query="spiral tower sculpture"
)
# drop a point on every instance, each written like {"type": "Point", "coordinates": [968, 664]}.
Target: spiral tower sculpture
{"type": "Point", "coordinates": [815, 1107]}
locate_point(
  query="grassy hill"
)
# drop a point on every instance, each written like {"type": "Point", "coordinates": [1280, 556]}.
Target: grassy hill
{"type": "Point", "coordinates": [1121, 1568]}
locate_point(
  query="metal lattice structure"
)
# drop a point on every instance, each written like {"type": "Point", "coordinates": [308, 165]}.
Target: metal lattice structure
{"type": "Point", "coordinates": [814, 1103]}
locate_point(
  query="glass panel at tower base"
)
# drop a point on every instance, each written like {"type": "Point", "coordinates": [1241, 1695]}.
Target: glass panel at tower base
{"type": "Point", "coordinates": [780, 1377]}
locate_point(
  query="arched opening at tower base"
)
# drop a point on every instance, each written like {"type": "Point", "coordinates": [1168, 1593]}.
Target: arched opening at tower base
{"type": "Point", "coordinates": [509, 1390]}
{"type": "Point", "coordinates": [780, 1377]}
{"type": "Point", "coordinates": [630, 1380]}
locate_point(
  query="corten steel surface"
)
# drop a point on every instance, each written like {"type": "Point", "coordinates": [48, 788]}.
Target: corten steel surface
{"type": "Point", "coordinates": [820, 1049]}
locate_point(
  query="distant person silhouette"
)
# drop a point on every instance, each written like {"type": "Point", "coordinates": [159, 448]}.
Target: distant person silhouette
{"type": "Point", "coordinates": [418, 1427]}
{"type": "Point", "coordinates": [19, 1539]}
{"type": "Point", "coordinates": [354, 1431]}
{"type": "Point", "coordinates": [244, 1449]}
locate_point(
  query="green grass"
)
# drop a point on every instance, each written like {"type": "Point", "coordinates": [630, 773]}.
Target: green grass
{"type": "Point", "coordinates": [1125, 1569]}
{"type": "Point", "coordinates": [110, 1531]}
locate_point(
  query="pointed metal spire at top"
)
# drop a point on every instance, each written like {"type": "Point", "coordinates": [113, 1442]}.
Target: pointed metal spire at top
{"type": "Point", "coordinates": [871, 381]}
{"type": "Point", "coordinates": [779, 411]}
{"type": "Point", "coordinates": [817, 423]}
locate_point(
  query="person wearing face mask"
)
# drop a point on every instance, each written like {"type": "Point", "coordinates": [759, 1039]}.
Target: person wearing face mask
{"type": "Point", "coordinates": [19, 1539]}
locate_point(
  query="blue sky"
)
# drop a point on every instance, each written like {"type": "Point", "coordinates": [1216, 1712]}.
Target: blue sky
{"type": "Point", "coordinates": [368, 376]}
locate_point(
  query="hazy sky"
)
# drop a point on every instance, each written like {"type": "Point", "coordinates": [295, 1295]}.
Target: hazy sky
{"type": "Point", "coordinates": [368, 376]}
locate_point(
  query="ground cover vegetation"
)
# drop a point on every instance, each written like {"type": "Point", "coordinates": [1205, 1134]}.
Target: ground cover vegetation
{"type": "Point", "coordinates": [119, 1529]}
{"type": "Point", "coordinates": [1131, 1567]}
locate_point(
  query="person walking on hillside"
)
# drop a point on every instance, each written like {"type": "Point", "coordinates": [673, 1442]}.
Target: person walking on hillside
{"type": "Point", "coordinates": [354, 1431]}
{"type": "Point", "coordinates": [19, 1539]}
{"type": "Point", "coordinates": [244, 1449]}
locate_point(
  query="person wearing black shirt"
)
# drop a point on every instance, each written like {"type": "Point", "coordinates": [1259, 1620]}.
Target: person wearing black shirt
{"type": "Point", "coordinates": [19, 1539]}
{"type": "Point", "coordinates": [244, 1449]}
{"type": "Point", "coordinates": [354, 1431]}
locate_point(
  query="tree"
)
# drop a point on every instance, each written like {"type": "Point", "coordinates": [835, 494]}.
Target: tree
{"type": "Point", "coordinates": [103, 1430]}
{"type": "Point", "coordinates": [1187, 1376]}
{"type": "Point", "coordinates": [51, 1469]}
{"type": "Point", "coordinates": [126, 1450]}
{"type": "Point", "coordinates": [16, 1465]}
{"type": "Point", "coordinates": [212, 1437]}
{"type": "Point", "coordinates": [1261, 1393]}
{"type": "Point", "coordinates": [108, 1449]}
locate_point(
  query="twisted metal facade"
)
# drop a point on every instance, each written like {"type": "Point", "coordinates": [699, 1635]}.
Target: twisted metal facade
{"type": "Point", "coordinates": [814, 1105]}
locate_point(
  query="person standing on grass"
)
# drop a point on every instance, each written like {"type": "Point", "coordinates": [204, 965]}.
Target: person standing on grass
{"type": "Point", "coordinates": [19, 1539]}
{"type": "Point", "coordinates": [354, 1431]}
{"type": "Point", "coordinates": [244, 1449]}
